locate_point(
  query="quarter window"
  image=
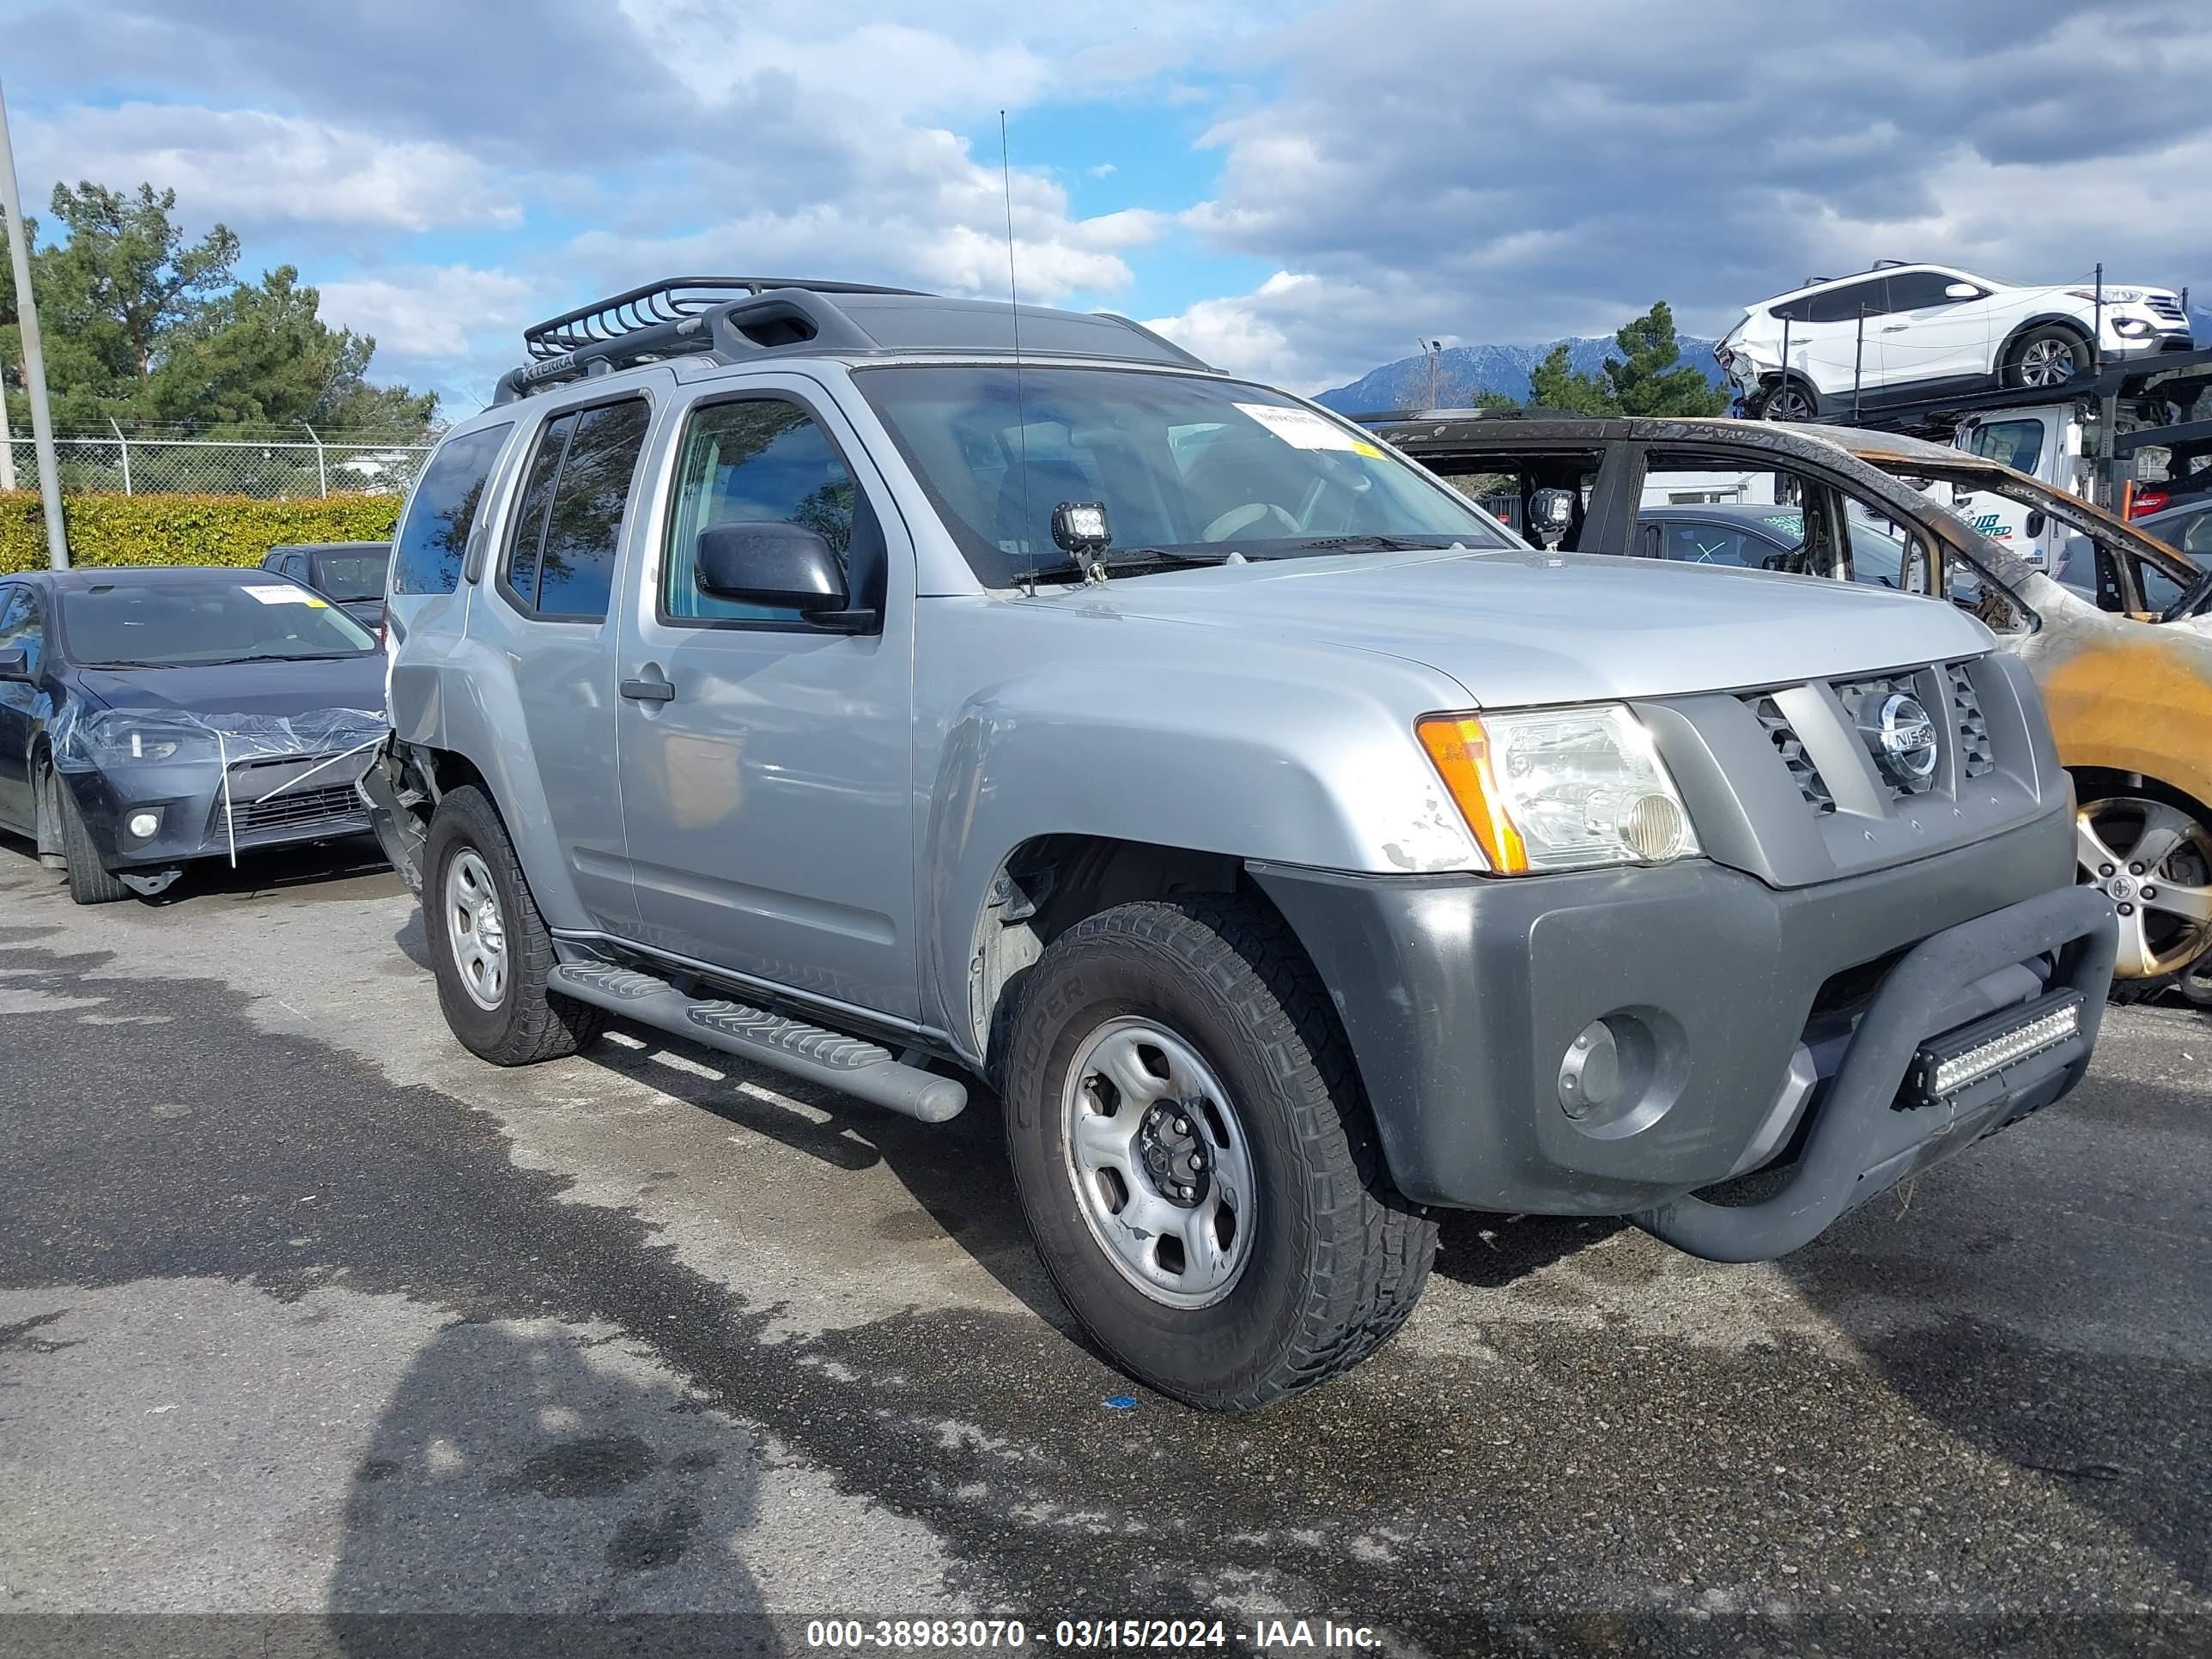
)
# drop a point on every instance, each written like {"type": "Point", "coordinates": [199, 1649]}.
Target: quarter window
{"type": "Point", "coordinates": [436, 538]}
{"type": "Point", "coordinates": [758, 460]}
{"type": "Point", "coordinates": [568, 526]}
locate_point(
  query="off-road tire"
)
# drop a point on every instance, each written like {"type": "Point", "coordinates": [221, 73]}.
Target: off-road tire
{"type": "Point", "coordinates": [1337, 1257]}
{"type": "Point", "coordinates": [2015, 373]}
{"type": "Point", "coordinates": [91, 880]}
{"type": "Point", "coordinates": [530, 1023]}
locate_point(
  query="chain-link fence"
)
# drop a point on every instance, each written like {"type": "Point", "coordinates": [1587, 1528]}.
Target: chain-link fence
{"type": "Point", "coordinates": [291, 468]}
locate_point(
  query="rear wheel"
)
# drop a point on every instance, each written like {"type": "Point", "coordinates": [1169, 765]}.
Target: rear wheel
{"type": "Point", "coordinates": [91, 880]}
{"type": "Point", "coordinates": [1786, 400]}
{"type": "Point", "coordinates": [2046, 357]}
{"type": "Point", "coordinates": [1197, 1160]}
{"type": "Point", "coordinates": [2153, 857]}
{"type": "Point", "coordinates": [489, 947]}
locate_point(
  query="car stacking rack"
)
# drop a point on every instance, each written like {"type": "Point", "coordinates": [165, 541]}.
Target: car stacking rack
{"type": "Point", "coordinates": [727, 318]}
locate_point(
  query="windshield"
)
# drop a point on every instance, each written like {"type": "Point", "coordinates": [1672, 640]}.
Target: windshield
{"type": "Point", "coordinates": [348, 576]}
{"type": "Point", "coordinates": [1180, 463]}
{"type": "Point", "coordinates": [173, 624]}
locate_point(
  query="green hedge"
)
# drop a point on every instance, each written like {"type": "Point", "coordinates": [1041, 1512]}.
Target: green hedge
{"type": "Point", "coordinates": [112, 530]}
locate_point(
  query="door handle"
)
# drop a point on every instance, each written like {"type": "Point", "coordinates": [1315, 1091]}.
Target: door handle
{"type": "Point", "coordinates": [651, 686]}
{"type": "Point", "coordinates": [1893, 328]}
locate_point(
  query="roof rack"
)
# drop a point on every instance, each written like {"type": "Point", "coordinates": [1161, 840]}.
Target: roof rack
{"type": "Point", "coordinates": [731, 317]}
{"type": "Point", "coordinates": [669, 300]}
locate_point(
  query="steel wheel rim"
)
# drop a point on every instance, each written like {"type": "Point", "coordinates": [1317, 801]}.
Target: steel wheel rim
{"type": "Point", "coordinates": [2154, 862]}
{"type": "Point", "coordinates": [476, 931]}
{"type": "Point", "coordinates": [2047, 362]}
{"type": "Point", "coordinates": [1158, 1163]}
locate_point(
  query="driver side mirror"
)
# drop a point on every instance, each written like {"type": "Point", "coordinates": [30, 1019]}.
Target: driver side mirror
{"type": "Point", "coordinates": [774, 563]}
{"type": "Point", "coordinates": [15, 664]}
{"type": "Point", "coordinates": [1962, 291]}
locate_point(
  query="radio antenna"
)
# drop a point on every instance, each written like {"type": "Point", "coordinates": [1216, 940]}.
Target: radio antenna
{"type": "Point", "coordinates": [1021, 409]}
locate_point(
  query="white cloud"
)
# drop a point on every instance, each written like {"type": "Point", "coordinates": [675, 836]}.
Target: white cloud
{"type": "Point", "coordinates": [252, 167]}
{"type": "Point", "coordinates": [1104, 170]}
{"type": "Point", "coordinates": [431, 311]}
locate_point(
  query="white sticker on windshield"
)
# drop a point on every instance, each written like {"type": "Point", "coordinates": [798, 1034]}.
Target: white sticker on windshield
{"type": "Point", "coordinates": [1304, 429]}
{"type": "Point", "coordinates": [274, 595]}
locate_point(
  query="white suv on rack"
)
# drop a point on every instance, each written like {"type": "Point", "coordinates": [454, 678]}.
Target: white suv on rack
{"type": "Point", "coordinates": [1901, 333]}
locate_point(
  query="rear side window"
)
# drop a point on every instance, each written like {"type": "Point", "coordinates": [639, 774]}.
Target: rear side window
{"type": "Point", "coordinates": [567, 529]}
{"type": "Point", "coordinates": [427, 558]}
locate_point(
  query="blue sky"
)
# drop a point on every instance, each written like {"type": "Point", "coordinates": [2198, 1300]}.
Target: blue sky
{"type": "Point", "coordinates": [1296, 191]}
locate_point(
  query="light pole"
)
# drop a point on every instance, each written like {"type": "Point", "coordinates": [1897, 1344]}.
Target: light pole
{"type": "Point", "coordinates": [34, 358]}
{"type": "Point", "coordinates": [1429, 349]}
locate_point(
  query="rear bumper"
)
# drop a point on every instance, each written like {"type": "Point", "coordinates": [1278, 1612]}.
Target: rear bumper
{"type": "Point", "coordinates": [1462, 997]}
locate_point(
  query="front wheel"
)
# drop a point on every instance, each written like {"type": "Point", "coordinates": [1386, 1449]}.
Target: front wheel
{"type": "Point", "coordinates": [2046, 357]}
{"type": "Point", "coordinates": [489, 947]}
{"type": "Point", "coordinates": [91, 880]}
{"type": "Point", "coordinates": [1197, 1160]}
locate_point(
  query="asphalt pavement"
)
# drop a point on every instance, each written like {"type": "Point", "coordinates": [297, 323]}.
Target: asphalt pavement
{"type": "Point", "coordinates": [318, 1335]}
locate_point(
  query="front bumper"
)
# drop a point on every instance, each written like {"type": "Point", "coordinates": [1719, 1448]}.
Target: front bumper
{"type": "Point", "coordinates": [272, 801]}
{"type": "Point", "coordinates": [1461, 996]}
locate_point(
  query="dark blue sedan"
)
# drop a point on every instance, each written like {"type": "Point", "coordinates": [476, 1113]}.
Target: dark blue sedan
{"type": "Point", "coordinates": [149, 718]}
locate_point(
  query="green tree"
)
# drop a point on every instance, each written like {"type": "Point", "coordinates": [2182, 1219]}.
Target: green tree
{"type": "Point", "coordinates": [1554, 384]}
{"type": "Point", "coordinates": [1649, 378]}
{"type": "Point", "coordinates": [143, 325]}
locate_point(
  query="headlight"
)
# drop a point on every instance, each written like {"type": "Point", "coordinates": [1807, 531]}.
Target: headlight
{"type": "Point", "coordinates": [148, 743]}
{"type": "Point", "coordinates": [2112, 296]}
{"type": "Point", "coordinates": [1547, 789]}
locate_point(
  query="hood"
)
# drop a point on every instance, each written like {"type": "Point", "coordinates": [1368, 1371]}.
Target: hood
{"type": "Point", "coordinates": [1517, 628]}
{"type": "Point", "coordinates": [243, 688]}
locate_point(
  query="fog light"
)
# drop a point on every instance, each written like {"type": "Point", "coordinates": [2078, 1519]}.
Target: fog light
{"type": "Point", "coordinates": [1589, 1075]}
{"type": "Point", "coordinates": [1656, 827]}
{"type": "Point", "coordinates": [142, 825]}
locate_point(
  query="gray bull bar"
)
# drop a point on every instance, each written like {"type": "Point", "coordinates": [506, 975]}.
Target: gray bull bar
{"type": "Point", "coordinates": [1894, 1067]}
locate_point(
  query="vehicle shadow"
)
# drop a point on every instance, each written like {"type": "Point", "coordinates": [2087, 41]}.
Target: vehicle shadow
{"type": "Point", "coordinates": [301, 868]}
{"type": "Point", "coordinates": [1488, 1252]}
{"type": "Point", "coordinates": [2043, 1299]}
{"type": "Point", "coordinates": [530, 1487]}
{"type": "Point", "coordinates": [937, 1164]}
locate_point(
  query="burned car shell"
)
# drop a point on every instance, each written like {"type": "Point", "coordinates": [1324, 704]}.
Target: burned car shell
{"type": "Point", "coordinates": [2130, 695]}
{"type": "Point", "coordinates": [228, 757]}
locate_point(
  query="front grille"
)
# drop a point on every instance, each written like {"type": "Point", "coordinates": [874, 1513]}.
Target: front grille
{"type": "Point", "coordinates": [2170, 310]}
{"type": "Point", "coordinates": [296, 809]}
{"type": "Point", "coordinates": [1791, 748]}
{"type": "Point", "coordinates": [1866, 704]}
{"type": "Point", "coordinates": [1919, 729]}
{"type": "Point", "coordinates": [1977, 757]}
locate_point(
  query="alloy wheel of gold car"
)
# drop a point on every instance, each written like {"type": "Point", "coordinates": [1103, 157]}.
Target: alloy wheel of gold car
{"type": "Point", "coordinates": [2154, 861]}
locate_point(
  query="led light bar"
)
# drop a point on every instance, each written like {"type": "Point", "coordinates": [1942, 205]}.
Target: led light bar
{"type": "Point", "coordinates": [1974, 1057]}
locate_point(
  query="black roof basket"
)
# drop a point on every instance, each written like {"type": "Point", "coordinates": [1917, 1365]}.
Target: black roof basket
{"type": "Point", "coordinates": [681, 315]}
{"type": "Point", "coordinates": [729, 319]}
{"type": "Point", "coordinates": [669, 300]}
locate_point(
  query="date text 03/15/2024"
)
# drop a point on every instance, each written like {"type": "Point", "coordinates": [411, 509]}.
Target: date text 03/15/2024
{"type": "Point", "coordinates": [1126, 1635]}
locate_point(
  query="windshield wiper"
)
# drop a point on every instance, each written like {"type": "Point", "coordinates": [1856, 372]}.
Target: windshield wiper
{"type": "Point", "coordinates": [1129, 559]}
{"type": "Point", "coordinates": [1378, 544]}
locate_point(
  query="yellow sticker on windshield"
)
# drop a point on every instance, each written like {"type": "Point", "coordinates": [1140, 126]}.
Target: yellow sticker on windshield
{"type": "Point", "coordinates": [1361, 446]}
{"type": "Point", "coordinates": [318, 604]}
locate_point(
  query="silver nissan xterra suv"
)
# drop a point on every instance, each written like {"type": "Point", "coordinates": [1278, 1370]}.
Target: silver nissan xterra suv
{"type": "Point", "coordinates": [901, 692]}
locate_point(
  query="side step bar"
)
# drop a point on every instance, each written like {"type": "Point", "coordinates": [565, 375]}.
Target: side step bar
{"type": "Point", "coordinates": [829, 1058]}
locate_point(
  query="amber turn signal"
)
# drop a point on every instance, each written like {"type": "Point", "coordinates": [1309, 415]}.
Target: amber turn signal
{"type": "Point", "coordinates": [1461, 750]}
